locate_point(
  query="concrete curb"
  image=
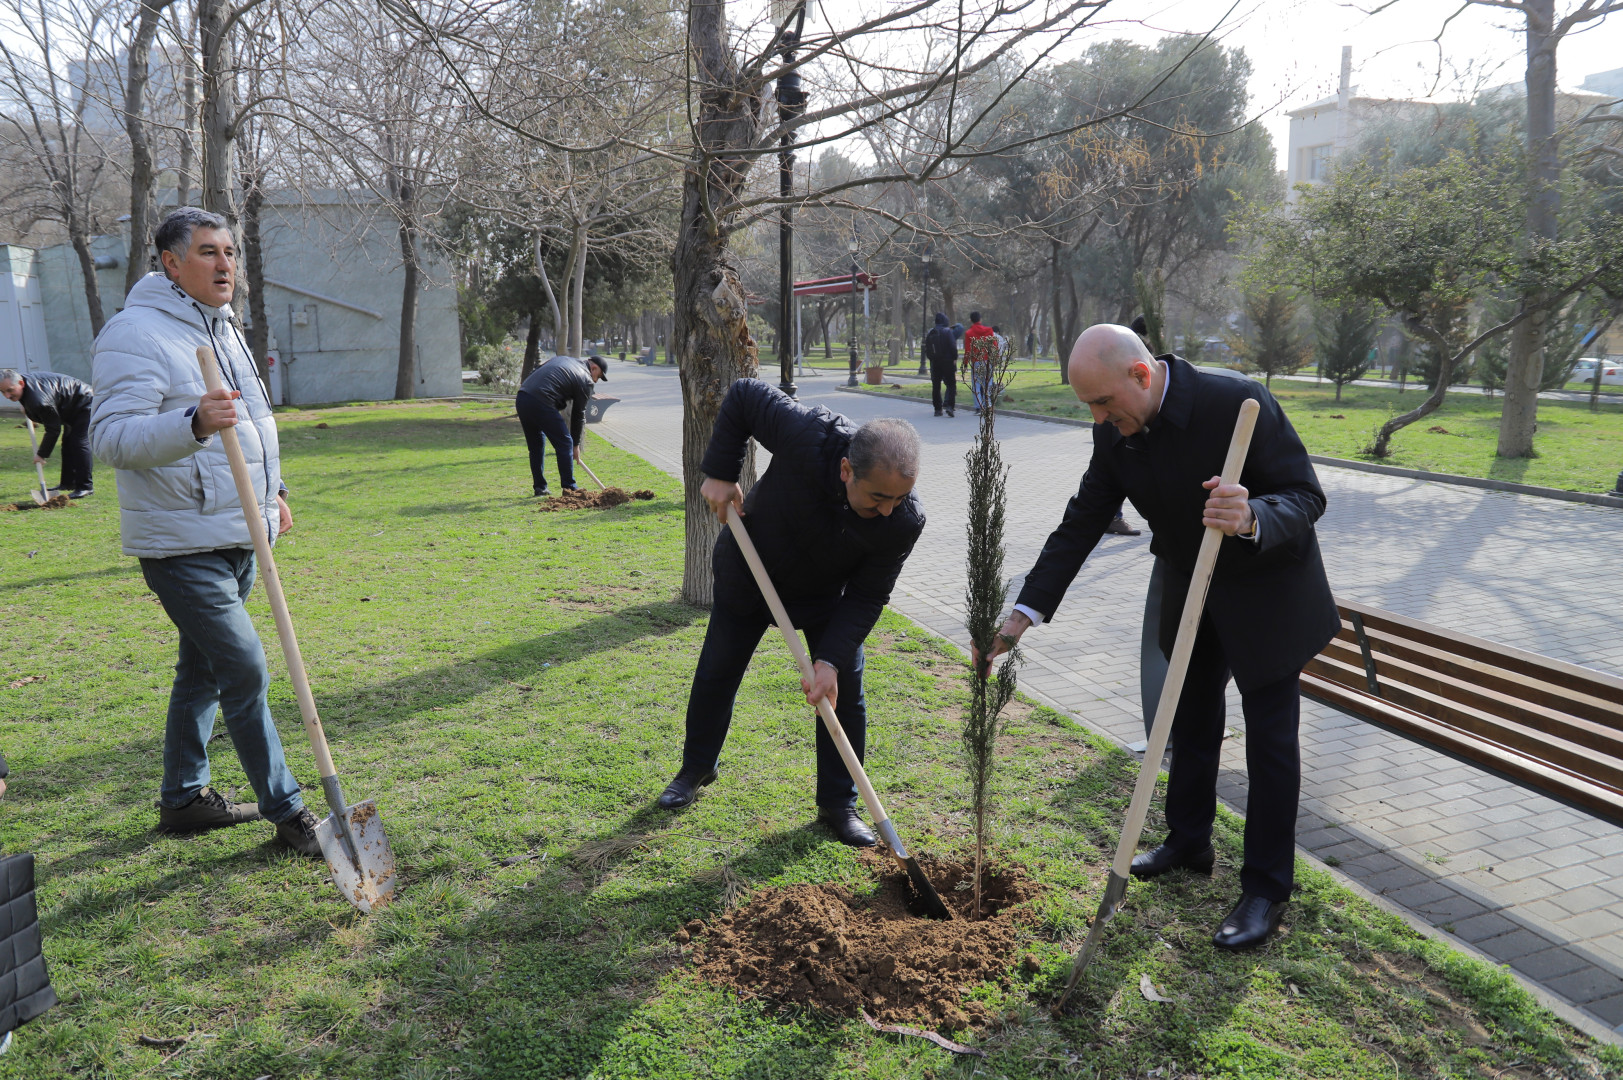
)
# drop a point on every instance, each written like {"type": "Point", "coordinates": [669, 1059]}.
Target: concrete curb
{"type": "Point", "coordinates": [1593, 499]}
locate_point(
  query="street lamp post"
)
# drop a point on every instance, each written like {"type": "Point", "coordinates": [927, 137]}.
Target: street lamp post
{"type": "Point", "coordinates": [924, 370]}
{"type": "Point", "coordinates": [791, 103]}
{"type": "Point", "coordinates": [855, 270]}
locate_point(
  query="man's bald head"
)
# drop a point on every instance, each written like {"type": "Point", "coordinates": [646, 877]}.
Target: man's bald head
{"type": "Point", "coordinates": [1114, 375]}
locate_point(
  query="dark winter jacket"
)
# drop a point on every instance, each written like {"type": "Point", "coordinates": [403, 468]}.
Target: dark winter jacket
{"type": "Point", "coordinates": [826, 561]}
{"type": "Point", "coordinates": [563, 380]}
{"type": "Point", "coordinates": [940, 345]}
{"type": "Point", "coordinates": [50, 400]}
{"type": "Point", "coordinates": [1270, 603]}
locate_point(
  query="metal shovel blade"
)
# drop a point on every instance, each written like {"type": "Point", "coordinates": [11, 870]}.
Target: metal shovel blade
{"type": "Point", "coordinates": [368, 879]}
{"type": "Point", "coordinates": [40, 497]}
{"type": "Point", "coordinates": [1115, 893]}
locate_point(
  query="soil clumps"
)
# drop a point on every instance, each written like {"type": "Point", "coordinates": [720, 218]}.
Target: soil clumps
{"type": "Point", "coordinates": [55, 502]}
{"type": "Point", "coordinates": [821, 945]}
{"type": "Point", "coordinates": [591, 500]}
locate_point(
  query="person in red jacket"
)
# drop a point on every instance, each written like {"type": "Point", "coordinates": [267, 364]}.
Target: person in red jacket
{"type": "Point", "coordinates": [980, 349]}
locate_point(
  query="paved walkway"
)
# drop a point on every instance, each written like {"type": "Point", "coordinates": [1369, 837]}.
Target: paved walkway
{"type": "Point", "coordinates": [1523, 879]}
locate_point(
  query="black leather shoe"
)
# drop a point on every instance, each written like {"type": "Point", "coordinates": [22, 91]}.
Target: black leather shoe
{"type": "Point", "coordinates": [1252, 922]}
{"type": "Point", "coordinates": [542, 492]}
{"type": "Point", "coordinates": [938, 412]}
{"type": "Point", "coordinates": [81, 493]}
{"type": "Point", "coordinates": [681, 791]}
{"type": "Point", "coordinates": [951, 413]}
{"type": "Point", "coordinates": [849, 829]}
{"type": "Point", "coordinates": [1167, 858]}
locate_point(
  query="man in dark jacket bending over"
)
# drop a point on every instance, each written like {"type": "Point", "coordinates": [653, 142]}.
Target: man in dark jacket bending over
{"type": "Point", "coordinates": [61, 405]}
{"type": "Point", "coordinates": [834, 518]}
{"type": "Point", "coordinates": [562, 382]}
{"type": "Point", "coordinates": [1161, 430]}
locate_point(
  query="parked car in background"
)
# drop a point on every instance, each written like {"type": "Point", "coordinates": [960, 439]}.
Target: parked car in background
{"type": "Point", "coordinates": [1611, 371]}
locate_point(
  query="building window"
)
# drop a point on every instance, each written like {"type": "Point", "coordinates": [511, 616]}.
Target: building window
{"type": "Point", "coordinates": [1316, 163]}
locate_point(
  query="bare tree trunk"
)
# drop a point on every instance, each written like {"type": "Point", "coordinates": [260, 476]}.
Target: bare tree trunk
{"type": "Point", "coordinates": [710, 338]}
{"type": "Point", "coordinates": [405, 382]}
{"type": "Point", "coordinates": [253, 264]}
{"type": "Point", "coordinates": [219, 86]}
{"type": "Point", "coordinates": [188, 122]}
{"type": "Point", "coordinates": [577, 299]}
{"type": "Point", "coordinates": [80, 238]}
{"type": "Point", "coordinates": [532, 346]}
{"type": "Point", "coordinates": [1525, 369]}
{"type": "Point", "coordinates": [135, 87]}
{"type": "Point", "coordinates": [552, 298]}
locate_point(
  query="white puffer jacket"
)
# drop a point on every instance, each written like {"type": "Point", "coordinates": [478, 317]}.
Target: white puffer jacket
{"type": "Point", "coordinates": [175, 492]}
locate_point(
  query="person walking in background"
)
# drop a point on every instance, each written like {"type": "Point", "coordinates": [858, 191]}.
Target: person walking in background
{"type": "Point", "coordinates": [61, 405]}
{"type": "Point", "coordinates": [941, 350]}
{"type": "Point", "coordinates": [155, 423]}
{"type": "Point", "coordinates": [563, 381]}
{"type": "Point", "coordinates": [980, 349]}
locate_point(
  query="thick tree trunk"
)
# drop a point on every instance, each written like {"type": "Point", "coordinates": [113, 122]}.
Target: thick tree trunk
{"type": "Point", "coordinates": [253, 265]}
{"type": "Point", "coordinates": [532, 346]}
{"type": "Point", "coordinates": [710, 338]}
{"type": "Point", "coordinates": [219, 95]}
{"type": "Point", "coordinates": [80, 239]}
{"type": "Point", "coordinates": [405, 381]}
{"type": "Point", "coordinates": [135, 88]}
{"type": "Point", "coordinates": [577, 299]}
{"type": "Point", "coordinates": [1525, 369]}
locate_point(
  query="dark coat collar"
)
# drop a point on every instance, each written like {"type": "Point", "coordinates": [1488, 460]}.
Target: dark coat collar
{"type": "Point", "coordinates": [1179, 403]}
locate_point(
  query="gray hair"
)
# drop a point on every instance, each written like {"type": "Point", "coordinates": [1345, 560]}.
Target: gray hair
{"type": "Point", "coordinates": [174, 234]}
{"type": "Point", "coordinates": [7, 375]}
{"type": "Point", "coordinates": [886, 443]}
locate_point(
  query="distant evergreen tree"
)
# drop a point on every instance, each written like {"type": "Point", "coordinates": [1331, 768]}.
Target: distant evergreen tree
{"type": "Point", "coordinates": [1273, 347]}
{"type": "Point", "coordinates": [1346, 336]}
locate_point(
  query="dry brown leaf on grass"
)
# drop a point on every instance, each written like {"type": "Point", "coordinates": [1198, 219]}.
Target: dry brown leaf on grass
{"type": "Point", "coordinates": [1147, 988]}
{"type": "Point", "coordinates": [919, 1033]}
{"type": "Point", "coordinates": [26, 679]}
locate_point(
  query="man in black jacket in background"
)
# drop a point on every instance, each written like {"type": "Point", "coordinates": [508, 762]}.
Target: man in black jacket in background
{"type": "Point", "coordinates": [61, 405]}
{"type": "Point", "coordinates": [1161, 429]}
{"type": "Point", "coordinates": [834, 517]}
{"type": "Point", "coordinates": [563, 381]}
{"type": "Point", "coordinates": [941, 349]}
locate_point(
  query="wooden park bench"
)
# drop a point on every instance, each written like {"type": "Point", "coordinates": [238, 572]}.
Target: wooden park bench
{"type": "Point", "coordinates": [1543, 724]}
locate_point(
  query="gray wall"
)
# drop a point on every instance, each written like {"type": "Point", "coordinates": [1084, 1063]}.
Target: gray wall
{"type": "Point", "coordinates": [334, 310]}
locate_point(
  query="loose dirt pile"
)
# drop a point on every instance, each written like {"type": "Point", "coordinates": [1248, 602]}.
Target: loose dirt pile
{"type": "Point", "coordinates": [820, 945]}
{"type": "Point", "coordinates": [55, 502]}
{"type": "Point", "coordinates": [591, 500]}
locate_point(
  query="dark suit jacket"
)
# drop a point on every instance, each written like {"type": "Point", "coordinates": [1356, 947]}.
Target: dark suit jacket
{"type": "Point", "coordinates": [1270, 602]}
{"type": "Point", "coordinates": [827, 562]}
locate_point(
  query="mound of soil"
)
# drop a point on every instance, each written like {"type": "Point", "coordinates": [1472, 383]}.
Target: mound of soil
{"type": "Point", "coordinates": [820, 945]}
{"type": "Point", "coordinates": [55, 502]}
{"type": "Point", "coordinates": [580, 499]}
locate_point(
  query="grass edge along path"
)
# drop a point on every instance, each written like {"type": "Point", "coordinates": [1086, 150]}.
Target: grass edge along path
{"type": "Point", "coordinates": [510, 687]}
{"type": "Point", "coordinates": [1577, 450]}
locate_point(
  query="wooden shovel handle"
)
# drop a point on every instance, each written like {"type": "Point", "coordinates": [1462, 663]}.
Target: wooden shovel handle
{"type": "Point", "coordinates": [781, 616]}
{"type": "Point", "coordinates": [34, 443]}
{"type": "Point", "coordinates": [268, 574]}
{"type": "Point", "coordinates": [1194, 605]}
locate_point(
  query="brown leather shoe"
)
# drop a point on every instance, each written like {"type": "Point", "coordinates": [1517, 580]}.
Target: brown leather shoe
{"type": "Point", "coordinates": [208, 810]}
{"type": "Point", "coordinates": [1119, 527]}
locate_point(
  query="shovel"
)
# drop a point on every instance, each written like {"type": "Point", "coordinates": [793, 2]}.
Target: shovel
{"type": "Point", "coordinates": [931, 899]}
{"type": "Point", "coordinates": [1177, 667]}
{"type": "Point", "coordinates": [592, 474]}
{"type": "Point", "coordinates": [351, 837]}
{"type": "Point", "coordinates": [42, 496]}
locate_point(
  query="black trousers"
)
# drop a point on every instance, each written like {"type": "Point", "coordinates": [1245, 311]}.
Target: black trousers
{"type": "Point", "coordinates": [944, 373]}
{"type": "Point", "coordinates": [1272, 760]}
{"type": "Point", "coordinates": [729, 643]}
{"type": "Point", "coordinates": [75, 450]}
{"type": "Point", "coordinates": [543, 424]}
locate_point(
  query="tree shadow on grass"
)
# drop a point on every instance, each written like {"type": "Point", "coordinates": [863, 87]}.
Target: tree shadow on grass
{"type": "Point", "coordinates": [128, 569]}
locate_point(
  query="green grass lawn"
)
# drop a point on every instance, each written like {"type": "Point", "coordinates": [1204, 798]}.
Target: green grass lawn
{"type": "Point", "coordinates": [1577, 449]}
{"type": "Point", "coordinates": [509, 686]}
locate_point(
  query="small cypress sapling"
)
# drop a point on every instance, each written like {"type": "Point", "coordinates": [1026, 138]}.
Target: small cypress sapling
{"type": "Point", "coordinates": [984, 597]}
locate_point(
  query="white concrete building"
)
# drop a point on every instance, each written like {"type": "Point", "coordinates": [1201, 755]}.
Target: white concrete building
{"type": "Point", "coordinates": [23, 344]}
{"type": "Point", "coordinates": [333, 292]}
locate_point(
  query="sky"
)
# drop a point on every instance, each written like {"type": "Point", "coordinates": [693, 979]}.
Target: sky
{"type": "Point", "coordinates": [1295, 48]}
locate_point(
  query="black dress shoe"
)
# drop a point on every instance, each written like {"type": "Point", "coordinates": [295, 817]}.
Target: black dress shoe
{"type": "Point", "coordinates": [681, 791]}
{"type": "Point", "coordinates": [951, 413]}
{"type": "Point", "coordinates": [1252, 922]}
{"type": "Point", "coordinates": [81, 493]}
{"type": "Point", "coordinates": [1167, 858]}
{"type": "Point", "coordinates": [938, 412]}
{"type": "Point", "coordinates": [849, 829]}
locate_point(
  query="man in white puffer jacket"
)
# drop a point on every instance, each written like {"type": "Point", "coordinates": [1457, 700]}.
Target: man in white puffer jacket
{"type": "Point", "coordinates": [155, 423]}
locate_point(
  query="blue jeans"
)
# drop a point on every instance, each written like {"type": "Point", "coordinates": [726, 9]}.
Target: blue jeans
{"type": "Point", "coordinates": [222, 664]}
{"type": "Point", "coordinates": [729, 643]}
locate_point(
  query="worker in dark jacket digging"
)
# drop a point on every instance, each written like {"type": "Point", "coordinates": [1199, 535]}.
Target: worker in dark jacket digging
{"type": "Point", "coordinates": [562, 382]}
{"type": "Point", "coordinates": [61, 405]}
{"type": "Point", "coordinates": [834, 518]}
